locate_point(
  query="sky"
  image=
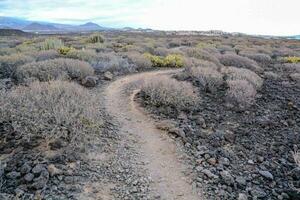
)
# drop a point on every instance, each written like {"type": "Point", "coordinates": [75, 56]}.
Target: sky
{"type": "Point", "coordinates": [268, 17]}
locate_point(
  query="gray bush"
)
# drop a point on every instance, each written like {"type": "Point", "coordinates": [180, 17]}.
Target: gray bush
{"type": "Point", "coordinates": [62, 69]}
{"type": "Point", "coordinates": [51, 110]}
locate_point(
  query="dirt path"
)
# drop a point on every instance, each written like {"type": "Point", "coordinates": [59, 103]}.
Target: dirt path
{"type": "Point", "coordinates": [157, 150]}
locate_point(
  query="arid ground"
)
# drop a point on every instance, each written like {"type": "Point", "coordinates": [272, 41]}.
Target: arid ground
{"type": "Point", "coordinates": [157, 115]}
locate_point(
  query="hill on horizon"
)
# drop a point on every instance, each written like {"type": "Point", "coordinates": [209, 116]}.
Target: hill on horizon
{"type": "Point", "coordinates": [39, 27]}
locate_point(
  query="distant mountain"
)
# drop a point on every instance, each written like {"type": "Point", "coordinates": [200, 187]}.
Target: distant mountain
{"type": "Point", "coordinates": [128, 29]}
{"type": "Point", "coordinates": [39, 27]}
{"type": "Point", "coordinates": [12, 32]}
{"type": "Point", "coordinates": [90, 26]}
{"type": "Point", "coordinates": [12, 22]}
{"type": "Point", "coordinates": [47, 27]}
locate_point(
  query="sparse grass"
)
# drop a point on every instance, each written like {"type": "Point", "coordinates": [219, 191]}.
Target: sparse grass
{"type": "Point", "coordinates": [62, 69]}
{"type": "Point", "coordinates": [163, 91]}
{"type": "Point", "coordinates": [51, 110]}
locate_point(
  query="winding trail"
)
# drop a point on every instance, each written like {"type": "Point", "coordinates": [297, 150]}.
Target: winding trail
{"type": "Point", "coordinates": [157, 149]}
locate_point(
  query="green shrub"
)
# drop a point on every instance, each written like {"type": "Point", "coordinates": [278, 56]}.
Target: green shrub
{"type": "Point", "coordinates": [156, 61]}
{"type": "Point", "coordinates": [51, 43]}
{"type": "Point", "coordinates": [95, 38]}
{"type": "Point", "coordinates": [62, 69]}
{"type": "Point", "coordinates": [51, 110]}
{"type": "Point", "coordinates": [64, 50]}
{"type": "Point", "coordinates": [292, 59]}
{"type": "Point", "coordinates": [172, 60]}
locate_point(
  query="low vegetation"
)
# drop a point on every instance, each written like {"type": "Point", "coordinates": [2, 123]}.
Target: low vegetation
{"type": "Point", "coordinates": [56, 69]}
{"type": "Point", "coordinates": [171, 60]}
{"type": "Point", "coordinates": [9, 64]}
{"type": "Point", "coordinates": [167, 92]}
{"type": "Point", "coordinates": [95, 38]}
{"type": "Point", "coordinates": [51, 43]}
{"type": "Point", "coordinates": [233, 73]}
{"type": "Point", "coordinates": [239, 61]}
{"type": "Point", "coordinates": [292, 59]}
{"type": "Point", "coordinates": [209, 78]}
{"type": "Point", "coordinates": [235, 100]}
{"type": "Point", "coordinates": [241, 92]}
{"type": "Point", "coordinates": [51, 110]}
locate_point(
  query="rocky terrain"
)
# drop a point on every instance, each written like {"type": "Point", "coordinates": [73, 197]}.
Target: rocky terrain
{"type": "Point", "coordinates": [244, 154]}
{"type": "Point", "coordinates": [122, 115]}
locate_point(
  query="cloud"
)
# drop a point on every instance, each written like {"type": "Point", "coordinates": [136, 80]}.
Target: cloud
{"type": "Point", "coordinates": [276, 17]}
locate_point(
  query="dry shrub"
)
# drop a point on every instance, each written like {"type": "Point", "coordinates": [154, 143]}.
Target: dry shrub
{"type": "Point", "coordinates": [289, 67]}
{"type": "Point", "coordinates": [161, 51]}
{"type": "Point", "coordinates": [60, 68]}
{"type": "Point", "coordinates": [8, 64]}
{"type": "Point", "coordinates": [225, 49]}
{"type": "Point", "coordinates": [112, 62]}
{"type": "Point", "coordinates": [296, 156]}
{"type": "Point", "coordinates": [201, 54]}
{"type": "Point", "coordinates": [284, 52]}
{"type": "Point", "coordinates": [85, 55]}
{"type": "Point", "coordinates": [7, 51]}
{"type": "Point", "coordinates": [239, 61]}
{"type": "Point", "coordinates": [209, 78]}
{"type": "Point", "coordinates": [295, 77]}
{"type": "Point", "coordinates": [51, 110]}
{"type": "Point", "coordinates": [139, 60]}
{"type": "Point", "coordinates": [233, 73]}
{"type": "Point", "coordinates": [241, 92]}
{"type": "Point", "coordinates": [45, 55]}
{"type": "Point", "coordinates": [271, 75]}
{"type": "Point", "coordinates": [258, 57]}
{"type": "Point", "coordinates": [163, 91]}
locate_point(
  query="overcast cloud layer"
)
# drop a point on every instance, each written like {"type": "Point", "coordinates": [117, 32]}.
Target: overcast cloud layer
{"type": "Point", "coordinates": [274, 17]}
